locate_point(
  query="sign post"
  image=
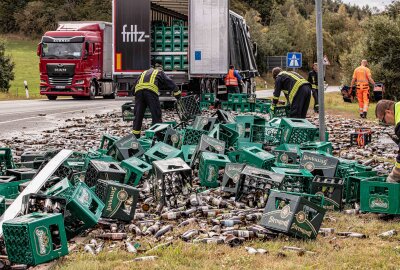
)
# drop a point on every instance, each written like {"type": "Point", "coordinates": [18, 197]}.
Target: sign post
{"type": "Point", "coordinates": [320, 57]}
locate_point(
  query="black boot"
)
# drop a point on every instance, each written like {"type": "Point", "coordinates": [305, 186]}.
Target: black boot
{"type": "Point", "coordinates": [365, 115]}
{"type": "Point", "coordinates": [361, 115]}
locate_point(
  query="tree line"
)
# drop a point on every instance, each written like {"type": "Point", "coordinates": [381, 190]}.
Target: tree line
{"type": "Point", "coordinates": [351, 33]}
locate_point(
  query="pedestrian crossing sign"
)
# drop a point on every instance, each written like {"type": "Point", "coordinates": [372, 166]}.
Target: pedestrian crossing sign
{"type": "Point", "coordinates": [294, 60]}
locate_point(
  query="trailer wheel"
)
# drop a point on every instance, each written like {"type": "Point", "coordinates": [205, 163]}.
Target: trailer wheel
{"type": "Point", "coordinates": [215, 86]}
{"type": "Point", "coordinates": [50, 97]}
{"type": "Point", "coordinates": [92, 90]}
{"type": "Point", "coordinates": [203, 88]}
{"type": "Point", "coordinates": [209, 86]}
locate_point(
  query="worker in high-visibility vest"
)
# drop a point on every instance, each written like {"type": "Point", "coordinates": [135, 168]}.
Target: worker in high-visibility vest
{"type": "Point", "coordinates": [232, 80]}
{"type": "Point", "coordinates": [147, 95]}
{"type": "Point", "coordinates": [313, 79]}
{"type": "Point", "coordinates": [296, 89]}
{"type": "Point", "coordinates": [388, 112]}
{"type": "Point", "coordinates": [362, 77]}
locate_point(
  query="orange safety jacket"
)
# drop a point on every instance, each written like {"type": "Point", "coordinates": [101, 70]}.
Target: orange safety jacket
{"type": "Point", "coordinates": [230, 79]}
{"type": "Point", "coordinates": [362, 75]}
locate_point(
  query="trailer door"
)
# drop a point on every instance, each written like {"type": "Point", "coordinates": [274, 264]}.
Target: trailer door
{"type": "Point", "coordinates": [131, 25]}
{"type": "Point", "coordinates": [208, 23]}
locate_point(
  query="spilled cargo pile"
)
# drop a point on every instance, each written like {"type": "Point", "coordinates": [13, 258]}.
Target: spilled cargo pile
{"type": "Point", "coordinates": [211, 177]}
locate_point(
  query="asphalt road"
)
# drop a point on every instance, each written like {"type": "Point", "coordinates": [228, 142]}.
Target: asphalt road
{"type": "Point", "coordinates": [33, 116]}
{"type": "Point", "coordinates": [29, 116]}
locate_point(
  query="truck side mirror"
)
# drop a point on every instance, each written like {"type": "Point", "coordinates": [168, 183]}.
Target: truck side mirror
{"type": "Point", "coordinates": [39, 50]}
{"type": "Point", "coordinates": [86, 52]}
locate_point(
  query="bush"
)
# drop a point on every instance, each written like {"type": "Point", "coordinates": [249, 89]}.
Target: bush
{"type": "Point", "coordinates": [6, 70]}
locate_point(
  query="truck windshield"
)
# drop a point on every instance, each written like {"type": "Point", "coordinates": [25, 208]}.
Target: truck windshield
{"type": "Point", "coordinates": [62, 50]}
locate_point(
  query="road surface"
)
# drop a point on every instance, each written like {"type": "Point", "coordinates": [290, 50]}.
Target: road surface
{"type": "Point", "coordinates": [38, 115]}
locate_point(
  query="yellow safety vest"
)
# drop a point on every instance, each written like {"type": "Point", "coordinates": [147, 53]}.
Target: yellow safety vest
{"type": "Point", "coordinates": [150, 85]}
{"type": "Point", "coordinates": [299, 83]}
{"type": "Point", "coordinates": [397, 113]}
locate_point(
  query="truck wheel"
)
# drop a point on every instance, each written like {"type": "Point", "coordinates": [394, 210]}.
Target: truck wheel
{"type": "Point", "coordinates": [92, 90]}
{"type": "Point", "coordinates": [111, 96]}
{"type": "Point", "coordinates": [51, 97]}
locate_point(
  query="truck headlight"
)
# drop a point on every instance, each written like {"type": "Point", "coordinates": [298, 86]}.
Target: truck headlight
{"type": "Point", "coordinates": [80, 82]}
{"type": "Point", "coordinates": [43, 81]}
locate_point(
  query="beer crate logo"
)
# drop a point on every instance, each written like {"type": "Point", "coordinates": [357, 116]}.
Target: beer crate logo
{"type": "Point", "coordinates": [301, 217]}
{"type": "Point", "coordinates": [122, 195]}
{"type": "Point", "coordinates": [204, 121]}
{"type": "Point", "coordinates": [134, 145]}
{"type": "Point", "coordinates": [309, 166]}
{"type": "Point", "coordinates": [284, 158]}
{"type": "Point", "coordinates": [42, 240]}
{"type": "Point", "coordinates": [175, 138]}
{"type": "Point", "coordinates": [378, 203]}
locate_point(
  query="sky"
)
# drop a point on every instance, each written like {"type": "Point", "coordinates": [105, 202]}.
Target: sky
{"type": "Point", "coordinates": [372, 3]}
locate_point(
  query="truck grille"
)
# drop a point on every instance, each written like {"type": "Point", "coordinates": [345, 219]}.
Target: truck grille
{"type": "Point", "coordinates": [60, 81]}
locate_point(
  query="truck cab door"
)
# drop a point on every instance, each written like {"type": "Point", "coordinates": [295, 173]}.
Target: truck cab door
{"type": "Point", "coordinates": [208, 37]}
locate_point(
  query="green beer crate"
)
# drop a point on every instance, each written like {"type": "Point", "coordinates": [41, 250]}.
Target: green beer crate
{"type": "Point", "coordinates": [145, 143]}
{"type": "Point", "coordinates": [204, 106]}
{"type": "Point", "coordinates": [35, 238]}
{"type": "Point", "coordinates": [352, 185]}
{"type": "Point", "coordinates": [267, 135]}
{"type": "Point", "coordinates": [209, 168]}
{"type": "Point", "coordinates": [6, 160]}
{"type": "Point", "coordinates": [107, 141]}
{"type": "Point", "coordinates": [204, 123]}
{"type": "Point", "coordinates": [161, 151]}
{"type": "Point", "coordinates": [237, 98]}
{"type": "Point", "coordinates": [125, 148]}
{"type": "Point", "coordinates": [293, 215]}
{"type": "Point", "coordinates": [157, 130]}
{"type": "Point", "coordinates": [379, 196]}
{"type": "Point", "coordinates": [228, 134]}
{"type": "Point", "coordinates": [242, 145]}
{"type": "Point", "coordinates": [257, 157]}
{"type": "Point", "coordinates": [188, 152]}
{"type": "Point", "coordinates": [119, 200]}
{"type": "Point", "coordinates": [287, 153]}
{"type": "Point", "coordinates": [85, 208]}
{"type": "Point", "coordinates": [262, 108]}
{"type": "Point", "coordinates": [9, 186]}
{"type": "Point", "coordinates": [173, 137]}
{"type": "Point", "coordinates": [208, 97]}
{"type": "Point", "coordinates": [296, 180]}
{"type": "Point", "coordinates": [3, 206]}
{"type": "Point", "coordinates": [280, 112]}
{"type": "Point", "coordinates": [317, 146]}
{"type": "Point", "coordinates": [297, 131]}
{"type": "Point", "coordinates": [225, 106]}
{"type": "Point", "coordinates": [135, 169]}
{"type": "Point", "coordinates": [192, 136]}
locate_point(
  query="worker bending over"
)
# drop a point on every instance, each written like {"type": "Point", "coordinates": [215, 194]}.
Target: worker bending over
{"type": "Point", "coordinates": [146, 95]}
{"type": "Point", "coordinates": [232, 80]}
{"type": "Point", "coordinates": [296, 89]}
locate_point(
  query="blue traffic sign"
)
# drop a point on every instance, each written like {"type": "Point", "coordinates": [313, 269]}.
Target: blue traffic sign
{"type": "Point", "coordinates": [294, 60]}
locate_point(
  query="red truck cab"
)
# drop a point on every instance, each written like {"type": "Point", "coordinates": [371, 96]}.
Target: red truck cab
{"type": "Point", "coordinates": [76, 60]}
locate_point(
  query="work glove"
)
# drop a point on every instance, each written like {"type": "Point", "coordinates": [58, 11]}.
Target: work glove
{"type": "Point", "coordinates": [394, 176]}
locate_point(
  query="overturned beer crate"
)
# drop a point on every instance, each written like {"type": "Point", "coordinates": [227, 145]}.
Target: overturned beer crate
{"type": "Point", "coordinates": [120, 200]}
{"type": "Point", "coordinates": [173, 137]}
{"type": "Point", "coordinates": [287, 153]}
{"type": "Point", "coordinates": [319, 165]}
{"type": "Point", "coordinates": [135, 170]}
{"type": "Point", "coordinates": [187, 108]}
{"type": "Point", "coordinates": [297, 131]}
{"type": "Point", "coordinates": [107, 141]}
{"type": "Point", "coordinates": [161, 151]}
{"type": "Point", "coordinates": [211, 169]}
{"type": "Point", "coordinates": [207, 144]}
{"type": "Point", "coordinates": [267, 135]}
{"type": "Point", "coordinates": [352, 185]}
{"type": "Point", "coordinates": [188, 152]}
{"type": "Point", "coordinates": [172, 182]}
{"type": "Point", "coordinates": [84, 207]}
{"type": "Point", "coordinates": [293, 215]}
{"type": "Point", "coordinates": [280, 112]}
{"type": "Point", "coordinates": [332, 189]}
{"type": "Point", "coordinates": [204, 123]}
{"type": "Point", "coordinates": [244, 124]}
{"type": "Point", "coordinates": [379, 196]}
{"type": "Point", "coordinates": [103, 170]}
{"type": "Point", "coordinates": [230, 181]}
{"type": "Point", "coordinates": [257, 157]}
{"type": "Point", "coordinates": [192, 136]}
{"type": "Point", "coordinates": [317, 146]}
{"type": "Point", "coordinates": [157, 131]}
{"type": "Point", "coordinates": [9, 186]}
{"type": "Point", "coordinates": [254, 185]}
{"type": "Point", "coordinates": [35, 238]}
{"type": "Point", "coordinates": [125, 148]}
{"type": "Point", "coordinates": [296, 180]}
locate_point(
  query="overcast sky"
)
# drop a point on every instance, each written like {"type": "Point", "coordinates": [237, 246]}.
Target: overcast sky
{"type": "Point", "coordinates": [372, 3]}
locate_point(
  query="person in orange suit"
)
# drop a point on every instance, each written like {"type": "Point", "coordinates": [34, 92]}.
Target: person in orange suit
{"type": "Point", "coordinates": [362, 77]}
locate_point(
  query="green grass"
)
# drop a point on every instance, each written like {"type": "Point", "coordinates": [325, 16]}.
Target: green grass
{"type": "Point", "coordinates": [330, 253]}
{"type": "Point", "coordinates": [23, 53]}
